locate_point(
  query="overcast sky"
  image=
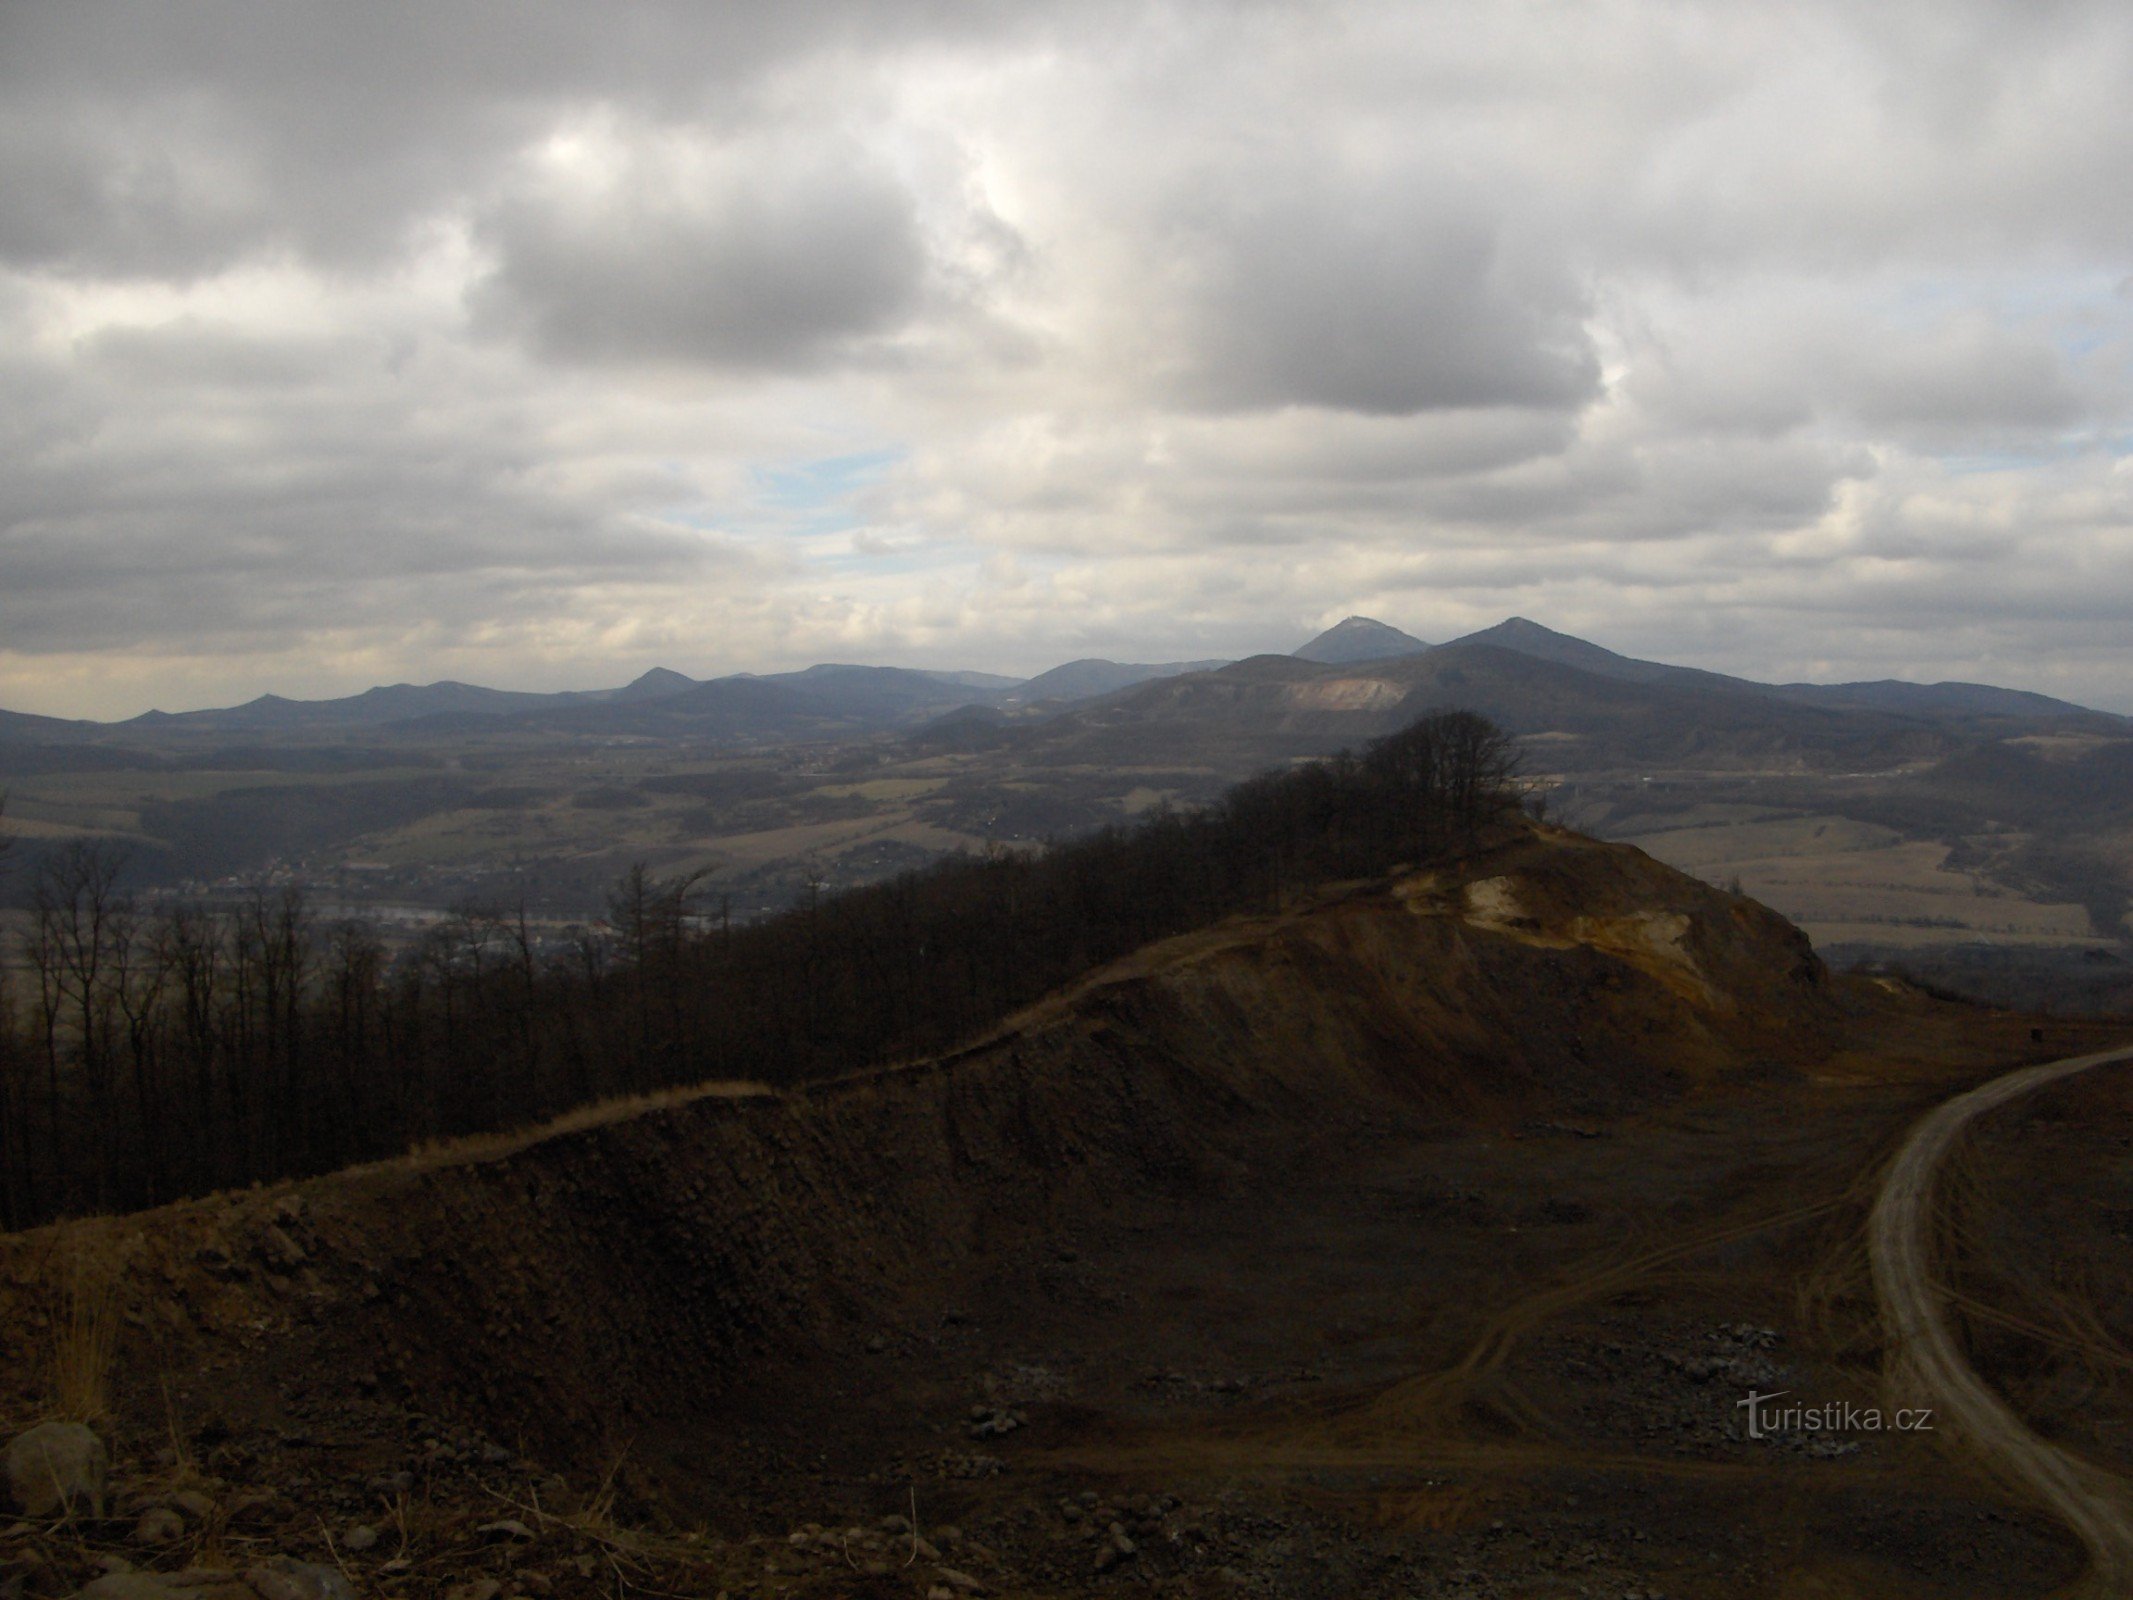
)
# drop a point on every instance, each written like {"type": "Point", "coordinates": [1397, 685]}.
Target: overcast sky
{"type": "Point", "coordinates": [537, 344]}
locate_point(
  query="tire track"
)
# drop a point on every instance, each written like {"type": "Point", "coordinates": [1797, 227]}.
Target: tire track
{"type": "Point", "coordinates": [1926, 1362]}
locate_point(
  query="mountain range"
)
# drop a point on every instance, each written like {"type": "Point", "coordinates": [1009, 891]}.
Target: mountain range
{"type": "Point", "coordinates": [1957, 813]}
{"type": "Point", "coordinates": [1486, 669]}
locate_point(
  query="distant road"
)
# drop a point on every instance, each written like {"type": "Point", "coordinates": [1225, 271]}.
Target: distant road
{"type": "Point", "coordinates": [1929, 1365]}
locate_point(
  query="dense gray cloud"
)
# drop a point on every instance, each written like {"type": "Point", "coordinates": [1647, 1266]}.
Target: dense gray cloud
{"type": "Point", "coordinates": [752, 254]}
{"type": "Point", "coordinates": [151, 139]}
{"type": "Point", "coordinates": [279, 486]}
{"type": "Point", "coordinates": [1388, 297]}
{"type": "Point", "coordinates": [536, 343]}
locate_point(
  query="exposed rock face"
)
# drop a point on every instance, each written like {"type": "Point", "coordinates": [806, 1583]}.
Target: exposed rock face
{"type": "Point", "coordinates": [653, 1257]}
{"type": "Point", "coordinates": [56, 1468]}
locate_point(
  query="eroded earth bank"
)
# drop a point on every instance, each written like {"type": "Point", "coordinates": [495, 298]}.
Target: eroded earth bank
{"type": "Point", "coordinates": [1422, 1238]}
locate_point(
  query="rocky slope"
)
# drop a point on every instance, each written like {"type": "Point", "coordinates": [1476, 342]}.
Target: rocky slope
{"type": "Point", "coordinates": [637, 1279]}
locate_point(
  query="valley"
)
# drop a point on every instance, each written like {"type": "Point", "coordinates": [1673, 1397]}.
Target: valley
{"type": "Point", "coordinates": [1974, 833]}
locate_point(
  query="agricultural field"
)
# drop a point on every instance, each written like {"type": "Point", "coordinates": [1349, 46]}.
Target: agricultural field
{"type": "Point", "coordinates": [1848, 881]}
{"type": "Point", "coordinates": [552, 824]}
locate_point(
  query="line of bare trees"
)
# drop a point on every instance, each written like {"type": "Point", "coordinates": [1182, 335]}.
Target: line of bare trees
{"type": "Point", "coordinates": [150, 1053]}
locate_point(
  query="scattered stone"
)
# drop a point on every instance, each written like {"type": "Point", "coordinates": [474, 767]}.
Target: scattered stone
{"type": "Point", "coordinates": [159, 1525]}
{"type": "Point", "coordinates": [360, 1538]}
{"type": "Point", "coordinates": [280, 1251]}
{"type": "Point", "coordinates": [959, 1581]}
{"type": "Point", "coordinates": [219, 1263]}
{"type": "Point", "coordinates": [286, 1579]}
{"type": "Point", "coordinates": [986, 1422]}
{"type": "Point", "coordinates": [57, 1468]}
{"type": "Point", "coordinates": [192, 1505]}
{"type": "Point", "coordinates": [253, 1508]}
{"type": "Point", "coordinates": [509, 1528]}
{"type": "Point", "coordinates": [479, 1589]}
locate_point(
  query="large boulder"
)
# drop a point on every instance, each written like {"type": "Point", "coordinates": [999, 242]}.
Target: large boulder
{"type": "Point", "coordinates": [55, 1469]}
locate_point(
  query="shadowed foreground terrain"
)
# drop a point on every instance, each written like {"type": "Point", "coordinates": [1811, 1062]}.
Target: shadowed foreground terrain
{"type": "Point", "coordinates": [1420, 1239]}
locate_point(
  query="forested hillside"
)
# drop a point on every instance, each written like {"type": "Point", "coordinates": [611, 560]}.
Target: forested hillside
{"type": "Point", "coordinates": [153, 1054]}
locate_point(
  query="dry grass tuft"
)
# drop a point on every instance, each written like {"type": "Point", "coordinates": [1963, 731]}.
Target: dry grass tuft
{"type": "Point", "coordinates": [183, 1468]}
{"type": "Point", "coordinates": [83, 1343]}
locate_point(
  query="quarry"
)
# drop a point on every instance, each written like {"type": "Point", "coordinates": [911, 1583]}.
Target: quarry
{"type": "Point", "coordinates": [1419, 1238]}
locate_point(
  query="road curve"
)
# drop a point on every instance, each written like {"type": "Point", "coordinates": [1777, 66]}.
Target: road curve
{"type": "Point", "coordinates": [1926, 1365]}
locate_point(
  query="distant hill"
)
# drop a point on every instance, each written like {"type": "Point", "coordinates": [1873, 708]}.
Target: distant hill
{"type": "Point", "coordinates": [656, 684]}
{"type": "Point", "coordinates": [974, 680]}
{"type": "Point", "coordinates": [1092, 676]}
{"type": "Point", "coordinates": [373, 708]}
{"type": "Point", "coordinates": [1359, 639]}
{"type": "Point", "coordinates": [829, 698]}
{"type": "Point", "coordinates": [878, 695]}
{"type": "Point", "coordinates": [24, 727]}
{"type": "Point", "coordinates": [1545, 644]}
{"type": "Point", "coordinates": [1935, 699]}
{"type": "Point", "coordinates": [1271, 708]}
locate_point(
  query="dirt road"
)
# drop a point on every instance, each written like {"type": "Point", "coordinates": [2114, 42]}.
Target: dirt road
{"type": "Point", "coordinates": [1928, 1365]}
